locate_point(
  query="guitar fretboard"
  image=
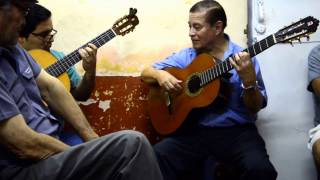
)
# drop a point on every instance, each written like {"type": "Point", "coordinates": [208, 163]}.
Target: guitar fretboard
{"type": "Point", "coordinates": [71, 59]}
{"type": "Point", "coordinates": [225, 66]}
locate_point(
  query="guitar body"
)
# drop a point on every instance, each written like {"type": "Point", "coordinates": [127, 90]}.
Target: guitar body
{"type": "Point", "coordinates": [167, 118]}
{"type": "Point", "coordinates": [45, 59]}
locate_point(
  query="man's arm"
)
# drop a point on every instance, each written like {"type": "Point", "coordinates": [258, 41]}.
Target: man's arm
{"type": "Point", "coordinates": [316, 86]}
{"type": "Point", "coordinates": [252, 98]}
{"type": "Point", "coordinates": [26, 143]}
{"type": "Point", "coordinates": [316, 154]}
{"type": "Point", "coordinates": [83, 90]}
{"type": "Point", "coordinates": [61, 101]}
{"type": "Point", "coordinates": [151, 75]}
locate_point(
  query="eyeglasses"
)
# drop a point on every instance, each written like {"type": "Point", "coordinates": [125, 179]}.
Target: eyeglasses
{"type": "Point", "coordinates": [48, 33]}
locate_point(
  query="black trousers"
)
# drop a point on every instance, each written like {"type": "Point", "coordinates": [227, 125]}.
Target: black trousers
{"type": "Point", "coordinates": [240, 146]}
{"type": "Point", "coordinates": [124, 155]}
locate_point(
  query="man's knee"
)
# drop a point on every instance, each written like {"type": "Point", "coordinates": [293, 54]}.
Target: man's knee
{"type": "Point", "coordinates": [129, 135]}
{"type": "Point", "coordinates": [316, 153]}
{"type": "Point", "coordinates": [261, 170]}
{"type": "Point", "coordinates": [133, 139]}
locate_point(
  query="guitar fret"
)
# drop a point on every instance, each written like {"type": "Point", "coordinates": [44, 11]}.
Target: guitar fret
{"type": "Point", "coordinates": [206, 76]}
{"type": "Point", "coordinates": [69, 63]}
{"type": "Point", "coordinates": [266, 40]}
{"type": "Point", "coordinates": [59, 70]}
{"type": "Point", "coordinates": [222, 68]}
{"type": "Point", "coordinates": [97, 42]}
{"type": "Point", "coordinates": [207, 72]}
{"type": "Point", "coordinates": [50, 71]}
{"type": "Point", "coordinates": [215, 72]}
{"type": "Point", "coordinates": [254, 51]}
{"type": "Point", "coordinates": [274, 39]}
{"type": "Point", "coordinates": [201, 78]}
{"type": "Point", "coordinates": [260, 46]}
{"type": "Point", "coordinates": [270, 41]}
{"type": "Point", "coordinates": [211, 74]}
{"type": "Point", "coordinates": [256, 48]}
{"type": "Point", "coordinates": [229, 64]}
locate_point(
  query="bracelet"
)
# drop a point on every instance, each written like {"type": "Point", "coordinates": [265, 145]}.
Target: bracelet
{"type": "Point", "coordinates": [250, 87]}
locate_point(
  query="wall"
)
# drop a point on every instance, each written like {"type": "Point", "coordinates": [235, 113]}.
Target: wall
{"type": "Point", "coordinates": [285, 122]}
{"type": "Point", "coordinates": [163, 29]}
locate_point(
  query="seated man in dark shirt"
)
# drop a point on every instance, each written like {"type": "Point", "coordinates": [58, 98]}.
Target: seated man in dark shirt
{"type": "Point", "coordinates": [29, 148]}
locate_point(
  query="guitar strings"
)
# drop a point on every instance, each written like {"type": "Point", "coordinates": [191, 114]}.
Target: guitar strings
{"type": "Point", "coordinates": [72, 58]}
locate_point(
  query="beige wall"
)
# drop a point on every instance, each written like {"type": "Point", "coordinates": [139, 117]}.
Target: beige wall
{"type": "Point", "coordinates": [163, 29]}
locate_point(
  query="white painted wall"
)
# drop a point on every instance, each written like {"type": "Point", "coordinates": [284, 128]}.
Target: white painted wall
{"type": "Point", "coordinates": [163, 29]}
{"type": "Point", "coordinates": [285, 122]}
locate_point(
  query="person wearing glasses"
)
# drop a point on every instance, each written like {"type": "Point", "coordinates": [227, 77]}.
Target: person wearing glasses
{"type": "Point", "coordinates": [38, 33]}
{"type": "Point", "coordinates": [29, 147]}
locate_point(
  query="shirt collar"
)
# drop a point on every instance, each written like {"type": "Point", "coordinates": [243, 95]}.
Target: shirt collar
{"type": "Point", "coordinates": [231, 47]}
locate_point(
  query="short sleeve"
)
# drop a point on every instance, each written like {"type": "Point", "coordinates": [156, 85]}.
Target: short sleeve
{"type": "Point", "coordinates": [313, 66]}
{"type": "Point", "coordinates": [74, 76]}
{"type": "Point", "coordinates": [8, 108]}
{"type": "Point", "coordinates": [180, 59]}
{"type": "Point", "coordinates": [33, 64]}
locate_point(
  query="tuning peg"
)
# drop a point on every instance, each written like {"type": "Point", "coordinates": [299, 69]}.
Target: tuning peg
{"type": "Point", "coordinates": [308, 37]}
{"type": "Point", "coordinates": [291, 43]}
{"type": "Point", "coordinates": [299, 40]}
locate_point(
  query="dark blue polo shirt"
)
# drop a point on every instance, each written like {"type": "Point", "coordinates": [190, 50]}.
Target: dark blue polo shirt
{"type": "Point", "coordinates": [19, 94]}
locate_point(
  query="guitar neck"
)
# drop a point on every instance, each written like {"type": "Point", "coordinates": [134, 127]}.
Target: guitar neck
{"type": "Point", "coordinates": [225, 66]}
{"type": "Point", "coordinates": [71, 59]}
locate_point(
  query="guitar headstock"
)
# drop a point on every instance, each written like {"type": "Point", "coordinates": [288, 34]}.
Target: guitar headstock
{"type": "Point", "coordinates": [297, 30]}
{"type": "Point", "coordinates": [127, 23]}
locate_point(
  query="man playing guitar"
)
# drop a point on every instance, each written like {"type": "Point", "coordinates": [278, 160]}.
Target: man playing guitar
{"type": "Point", "coordinates": [38, 33]}
{"type": "Point", "coordinates": [225, 129]}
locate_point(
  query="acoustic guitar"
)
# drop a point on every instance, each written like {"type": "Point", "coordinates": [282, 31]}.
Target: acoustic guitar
{"type": "Point", "coordinates": [201, 81]}
{"type": "Point", "coordinates": [58, 68]}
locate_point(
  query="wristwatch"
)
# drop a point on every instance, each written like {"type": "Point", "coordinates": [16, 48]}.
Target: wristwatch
{"type": "Point", "coordinates": [250, 87]}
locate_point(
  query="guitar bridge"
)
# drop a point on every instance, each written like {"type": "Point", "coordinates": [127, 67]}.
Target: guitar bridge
{"type": "Point", "coordinates": [168, 101]}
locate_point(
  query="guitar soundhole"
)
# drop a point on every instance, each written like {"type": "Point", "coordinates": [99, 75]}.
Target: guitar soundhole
{"type": "Point", "coordinates": [194, 84]}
